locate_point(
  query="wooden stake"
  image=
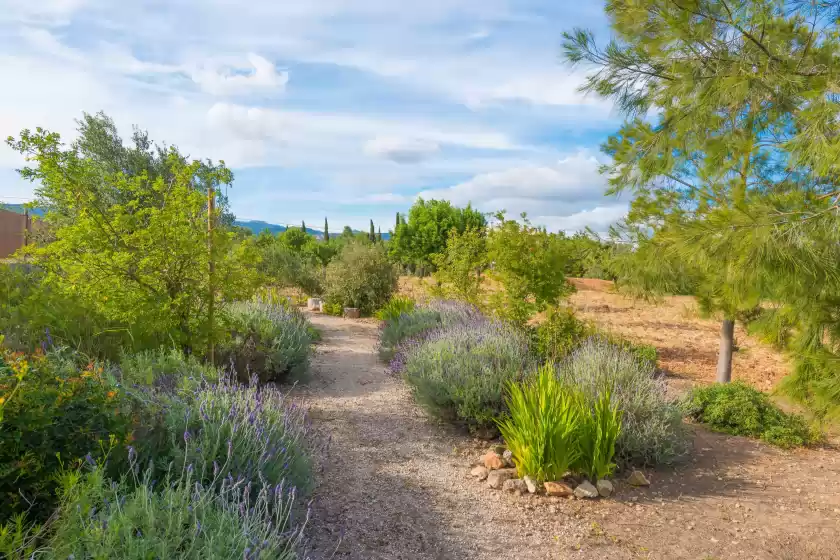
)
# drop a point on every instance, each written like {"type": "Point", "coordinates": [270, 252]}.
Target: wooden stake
{"type": "Point", "coordinates": [211, 211]}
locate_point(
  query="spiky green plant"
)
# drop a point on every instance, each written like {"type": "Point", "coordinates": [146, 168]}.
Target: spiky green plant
{"type": "Point", "coordinates": [599, 430]}
{"type": "Point", "coordinates": [542, 428]}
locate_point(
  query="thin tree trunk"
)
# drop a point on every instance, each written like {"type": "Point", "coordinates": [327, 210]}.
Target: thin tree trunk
{"type": "Point", "coordinates": [727, 342]}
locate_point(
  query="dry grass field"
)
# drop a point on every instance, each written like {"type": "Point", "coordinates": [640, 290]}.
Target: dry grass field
{"type": "Point", "coordinates": [687, 343]}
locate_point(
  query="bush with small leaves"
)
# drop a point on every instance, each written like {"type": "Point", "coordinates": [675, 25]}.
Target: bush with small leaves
{"type": "Point", "coordinates": [361, 276]}
{"type": "Point", "coordinates": [738, 409]}
{"type": "Point", "coordinates": [652, 429]}
{"type": "Point", "coordinates": [270, 340]}
{"type": "Point", "coordinates": [459, 373]}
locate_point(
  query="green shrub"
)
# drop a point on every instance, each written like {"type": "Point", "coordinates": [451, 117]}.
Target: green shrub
{"type": "Point", "coordinates": [56, 414]}
{"type": "Point", "coordinates": [738, 409]}
{"type": "Point", "coordinates": [404, 327]}
{"type": "Point", "coordinates": [253, 432]}
{"type": "Point", "coordinates": [334, 309]}
{"type": "Point", "coordinates": [284, 266]}
{"type": "Point", "coordinates": [644, 353]}
{"type": "Point", "coordinates": [33, 314]}
{"type": "Point", "coordinates": [175, 517]}
{"type": "Point", "coordinates": [360, 276]}
{"type": "Point", "coordinates": [165, 368]}
{"type": "Point", "coordinates": [599, 430]}
{"type": "Point", "coordinates": [460, 373]}
{"type": "Point", "coordinates": [652, 429]}
{"type": "Point", "coordinates": [559, 334]}
{"type": "Point", "coordinates": [268, 340]}
{"type": "Point", "coordinates": [542, 430]}
{"type": "Point", "coordinates": [395, 307]}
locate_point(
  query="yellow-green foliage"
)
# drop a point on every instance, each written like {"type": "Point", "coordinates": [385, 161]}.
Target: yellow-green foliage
{"type": "Point", "coordinates": [542, 429]}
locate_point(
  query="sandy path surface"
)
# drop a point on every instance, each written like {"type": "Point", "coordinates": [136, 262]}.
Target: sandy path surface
{"type": "Point", "coordinates": [394, 485]}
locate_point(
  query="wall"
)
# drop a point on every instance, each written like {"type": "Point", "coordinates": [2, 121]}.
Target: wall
{"type": "Point", "coordinates": [12, 229]}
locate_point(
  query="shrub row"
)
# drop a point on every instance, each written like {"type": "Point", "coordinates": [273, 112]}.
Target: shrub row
{"type": "Point", "coordinates": [461, 366]}
{"type": "Point", "coordinates": [158, 455]}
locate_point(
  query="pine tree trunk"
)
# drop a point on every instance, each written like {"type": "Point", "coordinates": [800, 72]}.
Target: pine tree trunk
{"type": "Point", "coordinates": [727, 342]}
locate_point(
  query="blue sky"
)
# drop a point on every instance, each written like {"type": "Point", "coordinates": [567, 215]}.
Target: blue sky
{"type": "Point", "coordinates": [344, 108]}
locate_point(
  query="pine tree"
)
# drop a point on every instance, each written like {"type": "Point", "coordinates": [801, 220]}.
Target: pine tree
{"type": "Point", "coordinates": [745, 120]}
{"type": "Point", "coordinates": [326, 230]}
{"type": "Point", "coordinates": [372, 234]}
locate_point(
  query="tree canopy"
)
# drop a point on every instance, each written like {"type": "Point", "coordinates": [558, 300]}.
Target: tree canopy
{"type": "Point", "coordinates": [729, 152]}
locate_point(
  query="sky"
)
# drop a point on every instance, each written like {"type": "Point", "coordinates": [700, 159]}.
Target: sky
{"type": "Point", "coordinates": [349, 109]}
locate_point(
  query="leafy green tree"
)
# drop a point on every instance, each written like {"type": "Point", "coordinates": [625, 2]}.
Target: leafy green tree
{"type": "Point", "coordinates": [744, 121]}
{"type": "Point", "coordinates": [460, 266]}
{"type": "Point", "coordinates": [131, 242]}
{"type": "Point", "coordinates": [326, 231]}
{"type": "Point", "coordinates": [425, 232]}
{"type": "Point", "coordinates": [529, 264]}
{"type": "Point", "coordinates": [294, 238]}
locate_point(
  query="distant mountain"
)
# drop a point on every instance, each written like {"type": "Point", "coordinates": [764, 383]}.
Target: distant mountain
{"type": "Point", "coordinates": [258, 226]}
{"type": "Point", "coordinates": [19, 208]}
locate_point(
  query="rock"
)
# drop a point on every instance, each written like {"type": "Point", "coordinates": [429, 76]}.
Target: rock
{"type": "Point", "coordinates": [637, 478]}
{"type": "Point", "coordinates": [479, 472]}
{"type": "Point", "coordinates": [605, 488]}
{"type": "Point", "coordinates": [493, 461]}
{"type": "Point", "coordinates": [515, 485]}
{"type": "Point", "coordinates": [586, 490]}
{"type": "Point", "coordinates": [498, 449]}
{"type": "Point", "coordinates": [507, 457]}
{"type": "Point", "coordinates": [496, 478]}
{"type": "Point", "coordinates": [558, 489]}
{"type": "Point", "coordinates": [532, 485]}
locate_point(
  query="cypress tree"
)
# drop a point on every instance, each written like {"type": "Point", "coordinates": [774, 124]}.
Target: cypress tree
{"type": "Point", "coordinates": [303, 226]}
{"type": "Point", "coordinates": [326, 230]}
{"type": "Point", "coordinates": [398, 222]}
{"type": "Point", "coordinates": [379, 235]}
{"type": "Point", "coordinates": [372, 234]}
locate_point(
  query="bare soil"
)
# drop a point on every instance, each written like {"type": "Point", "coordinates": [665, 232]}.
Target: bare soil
{"type": "Point", "coordinates": [394, 484]}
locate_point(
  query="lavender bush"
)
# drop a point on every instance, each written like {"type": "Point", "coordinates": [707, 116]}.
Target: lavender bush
{"type": "Point", "coordinates": [268, 339]}
{"type": "Point", "coordinates": [652, 429]}
{"type": "Point", "coordinates": [415, 324]}
{"type": "Point", "coordinates": [241, 432]}
{"type": "Point", "coordinates": [459, 372]}
{"type": "Point", "coordinates": [178, 517]}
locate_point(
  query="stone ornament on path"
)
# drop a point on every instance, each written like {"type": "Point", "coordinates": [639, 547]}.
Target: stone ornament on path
{"type": "Point", "coordinates": [313, 304]}
{"type": "Point", "coordinates": [352, 313]}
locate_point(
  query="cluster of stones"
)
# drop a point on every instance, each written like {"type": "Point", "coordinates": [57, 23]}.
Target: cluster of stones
{"type": "Point", "coordinates": [497, 469]}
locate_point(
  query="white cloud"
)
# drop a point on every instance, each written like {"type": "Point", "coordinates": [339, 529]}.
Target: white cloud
{"type": "Point", "coordinates": [561, 195]}
{"type": "Point", "coordinates": [237, 78]}
{"type": "Point", "coordinates": [401, 150]}
{"type": "Point", "coordinates": [572, 178]}
{"type": "Point", "coordinates": [598, 219]}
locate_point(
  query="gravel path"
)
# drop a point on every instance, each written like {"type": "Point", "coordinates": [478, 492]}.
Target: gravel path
{"type": "Point", "coordinates": [395, 485]}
